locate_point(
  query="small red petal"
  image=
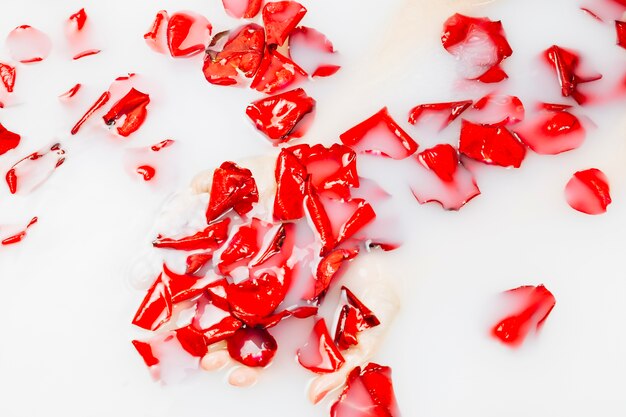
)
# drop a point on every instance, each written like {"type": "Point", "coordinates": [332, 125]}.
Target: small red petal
{"type": "Point", "coordinates": [223, 330]}
{"type": "Point", "coordinates": [443, 160]}
{"type": "Point", "coordinates": [588, 191]}
{"type": "Point", "coordinates": [591, 13]}
{"type": "Point", "coordinates": [147, 172]}
{"type": "Point", "coordinates": [276, 73]}
{"type": "Point", "coordinates": [88, 52]}
{"type": "Point", "coordinates": [242, 8]}
{"type": "Point", "coordinates": [18, 237]}
{"type": "Point", "coordinates": [537, 303]}
{"type": "Point", "coordinates": [188, 34]}
{"type": "Point", "coordinates": [34, 169]}
{"type": "Point", "coordinates": [131, 107]}
{"type": "Point", "coordinates": [197, 261]}
{"type": "Point", "coordinates": [319, 218]}
{"type": "Point", "coordinates": [453, 110]}
{"type": "Point", "coordinates": [8, 140]}
{"type": "Point", "coordinates": [100, 102]}
{"type": "Point", "coordinates": [256, 298]}
{"type": "Point", "coordinates": [290, 177]}
{"type": "Point", "coordinates": [278, 116]}
{"type": "Point", "coordinates": [242, 247]}
{"type": "Point", "coordinates": [380, 134]}
{"type": "Point", "coordinates": [145, 350]}
{"type": "Point", "coordinates": [620, 29]}
{"type": "Point", "coordinates": [79, 18]}
{"type": "Point", "coordinates": [7, 75]}
{"type": "Point", "coordinates": [312, 51]}
{"type": "Point", "coordinates": [233, 187]}
{"type": "Point", "coordinates": [491, 144]}
{"type": "Point", "coordinates": [252, 347]}
{"type": "Point", "coordinates": [280, 19]}
{"type": "Point", "coordinates": [27, 44]}
{"type": "Point", "coordinates": [194, 342]}
{"type": "Point", "coordinates": [566, 62]}
{"type": "Point", "coordinates": [498, 109]}
{"type": "Point", "coordinates": [156, 36]}
{"type": "Point", "coordinates": [552, 132]}
{"type": "Point", "coordinates": [211, 239]}
{"type": "Point", "coordinates": [329, 267]}
{"type": "Point", "coordinates": [320, 354]}
{"type": "Point", "coordinates": [71, 92]}
{"type": "Point", "coordinates": [156, 307]}
{"type": "Point", "coordinates": [162, 145]}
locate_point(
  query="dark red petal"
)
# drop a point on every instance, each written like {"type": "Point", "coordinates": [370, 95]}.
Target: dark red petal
{"type": "Point", "coordinates": [278, 116]}
{"type": "Point", "coordinates": [242, 53]}
{"type": "Point", "coordinates": [312, 51]}
{"type": "Point", "coordinates": [7, 75]}
{"type": "Point", "coordinates": [197, 261]}
{"type": "Point", "coordinates": [217, 292]}
{"type": "Point", "coordinates": [156, 308]}
{"type": "Point", "coordinates": [453, 110]}
{"type": "Point", "coordinates": [588, 191]}
{"type": "Point", "coordinates": [27, 44]}
{"type": "Point", "coordinates": [290, 186]}
{"type": "Point", "coordinates": [194, 342]}
{"type": "Point", "coordinates": [279, 246]}
{"type": "Point", "coordinates": [280, 19]}
{"type": "Point", "coordinates": [100, 102]}
{"type": "Point", "coordinates": [234, 188]}
{"type": "Point", "coordinates": [328, 268]}
{"type": "Point", "coordinates": [491, 144]}
{"type": "Point", "coordinates": [133, 108]}
{"type": "Point", "coordinates": [276, 73]}
{"type": "Point", "coordinates": [566, 62]}
{"type": "Point", "coordinates": [348, 327]}
{"type": "Point", "coordinates": [380, 134]}
{"type": "Point", "coordinates": [145, 350]}
{"type": "Point", "coordinates": [536, 304]}
{"type": "Point", "coordinates": [188, 34]}
{"type": "Point", "coordinates": [620, 29]}
{"type": "Point", "coordinates": [256, 298]}
{"type": "Point", "coordinates": [443, 160]}
{"type": "Point", "coordinates": [252, 347]}
{"type": "Point", "coordinates": [368, 393]}
{"type": "Point", "coordinates": [320, 354]}
{"type": "Point", "coordinates": [211, 239]}
{"type": "Point", "coordinates": [552, 132]}
{"type": "Point", "coordinates": [156, 36]}
{"type": "Point", "coordinates": [8, 140]}
{"type": "Point", "coordinates": [242, 8]}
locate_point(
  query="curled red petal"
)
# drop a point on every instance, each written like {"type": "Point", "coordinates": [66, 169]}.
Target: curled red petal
{"type": "Point", "coordinates": [79, 19]}
{"type": "Point", "coordinates": [252, 347]}
{"type": "Point", "coordinates": [33, 170]}
{"type": "Point", "coordinates": [491, 144]}
{"type": "Point", "coordinates": [211, 239]}
{"type": "Point", "coordinates": [18, 237]}
{"type": "Point", "coordinates": [452, 109]}
{"type": "Point", "coordinates": [276, 73]}
{"type": "Point", "coordinates": [319, 218]}
{"type": "Point", "coordinates": [320, 354]}
{"type": "Point", "coordinates": [588, 191]}
{"type": "Point", "coordinates": [8, 140]}
{"type": "Point", "coordinates": [145, 350]}
{"type": "Point", "coordinates": [131, 107]}
{"type": "Point", "coordinates": [278, 116]}
{"type": "Point", "coordinates": [280, 19]}
{"type": "Point", "coordinates": [566, 64]}
{"type": "Point", "coordinates": [362, 216]}
{"type": "Point", "coordinates": [233, 187]}
{"type": "Point", "coordinates": [222, 330]}
{"type": "Point", "coordinates": [147, 172]}
{"type": "Point", "coordinates": [242, 247]}
{"type": "Point", "coordinates": [380, 134]}
{"type": "Point", "coordinates": [156, 307]}
{"type": "Point", "coordinates": [329, 267]}
{"type": "Point", "coordinates": [27, 44]}
{"type": "Point", "coordinates": [188, 34]}
{"type": "Point", "coordinates": [7, 75]}
{"type": "Point", "coordinates": [86, 53]}
{"type": "Point", "coordinates": [71, 92]}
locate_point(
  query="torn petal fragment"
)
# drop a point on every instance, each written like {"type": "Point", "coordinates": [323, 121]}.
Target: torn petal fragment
{"type": "Point", "coordinates": [7, 75]}
{"type": "Point", "coordinates": [156, 307]}
{"type": "Point", "coordinates": [280, 19]}
{"type": "Point", "coordinates": [246, 9]}
{"type": "Point", "coordinates": [354, 318]}
{"type": "Point", "coordinates": [276, 73]}
{"type": "Point", "coordinates": [188, 34]}
{"type": "Point", "coordinates": [278, 116]}
{"type": "Point", "coordinates": [312, 51]}
{"type": "Point", "coordinates": [8, 140]}
{"type": "Point", "coordinates": [491, 144]}
{"type": "Point", "coordinates": [71, 92]}
{"type": "Point", "coordinates": [194, 342]}
{"type": "Point", "coordinates": [252, 347]}
{"type": "Point", "coordinates": [145, 350]}
{"type": "Point", "coordinates": [99, 103]}
{"type": "Point", "coordinates": [452, 109]}
{"type": "Point", "coordinates": [566, 64]}
{"type": "Point", "coordinates": [620, 29]}
{"type": "Point", "coordinates": [588, 191]}
{"type": "Point", "coordinates": [380, 135]}
{"type": "Point", "coordinates": [30, 172]}
{"type": "Point", "coordinates": [329, 267]}
{"type": "Point", "coordinates": [209, 239]}
{"type": "Point", "coordinates": [27, 44]}
{"type": "Point", "coordinates": [320, 354]}
{"type": "Point", "coordinates": [290, 177]}
{"type": "Point", "coordinates": [234, 188]}
{"type": "Point", "coordinates": [18, 237]}
{"type": "Point", "coordinates": [256, 298]}
{"type": "Point", "coordinates": [552, 132]}
{"type": "Point", "coordinates": [156, 36]}
{"type": "Point", "coordinates": [132, 108]}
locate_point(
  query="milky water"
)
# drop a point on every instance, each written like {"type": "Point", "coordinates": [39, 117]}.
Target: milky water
{"type": "Point", "coordinates": [69, 300]}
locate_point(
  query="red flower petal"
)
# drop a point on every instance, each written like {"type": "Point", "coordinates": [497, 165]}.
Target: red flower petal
{"type": "Point", "coordinates": [320, 354]}
{"type": "Point", "coordinates": [276, 73]}
{"type": "Point", "coordinates": [440, 177]}
{"type": "Point", "coordinates": [88, 52]}
{"type": "Point", "coordinates": [223, 330]}
{"type": "Point", "coordinates": [211, 239]}
{"type": "Point", "coordinates": [32, 171]}
{"type": "Point", "coordinates": [18, 237]}
{"type": "Point", "coordinates": [162, 145]}
{"type": "Point", "coordinates": [312, 51]}
{"type": "Point", "coordinates": [278, 116]}
{"type": "Point", "coordinates": [303, 312]}
{"type": "Point", "coordinates": [368, 393]}
{"type": "Point", "coordinates": [276, 251]}
{"type": "Point", "coordinates": [380, 134]}
{"type": "Point", "coordinates": [181, 287]}
{"type": "Point", "coordinates": [217, 292]}
{"type": "Point", "coordinates": [252, 347]}
{"type": "Point", "coordinates": [233, 187]}
{"type": "Point", "coordinates": [242, 8]}
{"type": "Point", "coordinates": [319, 218]}
{"type": "Point", "coordinates": [280, 19]}
{"type": "Point", "coordinates": [354, 318]}
{"type": "Point", "coordinates": [479, 44]}
{"type": "Point", "coordinates": [100, 102]}
{"type": "Point", "coordinates": [536, 305]}
{"type": "Point", "coordinates": [194, 342]}
{"type": "Point", "coordinates": [588, 191]}
{"type": "Point", "coordinates": [147, 172]}
{"type": "Point", "coordinates": [241, 54]}
{"type": "Point", "coordinates": [491, 144]}
{"type": "Point", "coordinates": [197, 261]}
{"type": "Point", "coordinates": [27, 44]}
{"type": "Point", "coordinates": [79, 19]}
{"type": "Point", "coordinates": [242, 247]}
{"type": "Point", "coordinates": [620, 29]}
{"type": "Point", "coordinates": [452, 110]}
{"type": "Point", "coordinates": [7, 75]}
{"type": "Point", "coordinates": [156, 307]}
{"type": "Point", "coordinates": [132, 107]}
{"type": "Point", "coordinates": [256, 298]}
{"type": "Point", "coordinates": [8, 140]}
{"type": "Point", "coordinates": [145, 350]}
{"type": "Point", "coordinates": [566, 63]}
{"type": "Point", "coordinates": [329, 267]}
{"type": "Point", "coordinates": [498, 109]}
{"type": "Point", "coordinates": [156, 36]}
{"type": "Point", "coordinates": [290, 177]}
{"type": "Point", "coordinates": [71, 92]}
{"type": "Point", "coordinates": [188, 34]}
{"type": "Point", "coordinates": [552, 132]}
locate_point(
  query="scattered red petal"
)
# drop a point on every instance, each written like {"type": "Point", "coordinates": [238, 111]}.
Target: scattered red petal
{"type": "Point", "coordinates": [491, 144]}
{"type": "Point", "coordinates": [312, 51]}
{"type": "Point", "coordinates": [71, 92]}
{"type": "Point", "coordinates": [246, 9]}
{"type": "Point", "coordinates": [162, 145]}
{"type": "Point", "coordinates": [566, 63]}
{"type": "Point", "coordinates": [132, 107]}
{"type": "Point", "coordinates": [319, 218]}
{"type": "Point", "coordinates": [27, 44]}
{"type": "Point", "coordinates": [18, 237]}
{"type": "Point", "coordinates": [443, 160]}
{"type": "Point", "coordinates": [320, 354]}
{"type": "Point", "coordinates": [197, 261]}
{"type": "Point", "coordinates": [588, 191]}
{"type": "Point", "coordinates": [478, 43]}
{"type": "Point", "coordinates": [380, 135]}
{"type": "Point", "coordinates": [278, 116]}
{"type": "Point", "coordinates": [78, 19]}
{"type": "Point", "coordinates": [280, 19]}
{"type": "Point", "coordinates": [7, 75]}
{"type": "Point", "coordinates": [242, 246]}
{"type": "Point", "coordinates": [88, 52]}
{"type": "Point", "coordinates": [194, 342]}
{"type": "Point", "coordinates": [32, 170]}
{"type": "Point", "coordinates": [188, 34]}
{"type": "Point", "coordinates": [554, 106]}
{"type": "Point", "coordinates": [223, 330]}
{"type": "Point", "coordinates": [536, 305]}
{"type": "Point", "coordinates": [368, 393]}
{"type": "Point", "coordinates": [8, 140]}
{"type": "Point", "coordinates": [552, 132]}
{"type": "Point", "coordinates": [329, 267]}
{"type": "Point", "coordinates": [147, 172]}
{"type": "Point", "coordinates": [256, 298]}
{"type": "Point", "coordinates": [210, 239]}
{"type": "Point", "coordinates": [241, 54]}
{"type": "Point", "coordinates": [620, 29]}
{"type": "Point", "coordinates": [498, 109]}
{"type": "Point", "coordinates": [252, 347]}
{"type": "Point", "coordinates": [591, 13]}
{"type": "Point", "coordinates": [354, 318]}
{"type": "Point", "coordinates": [290, 177]}
{"type": "Point", "coordinates": [452, 109]}
{"type": "Point", "coordinates": [145, 350]}
{"type": "Point", "coordinates": [276, 73]}
{"type": "Point", "coordinates": [156, 307]}
{"type": "Point", "coordinates": [100, 102]}
{"type": "Point", "coordinates": [156, 36]}
{"type": "Point", "coordinates": [233, 187]}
